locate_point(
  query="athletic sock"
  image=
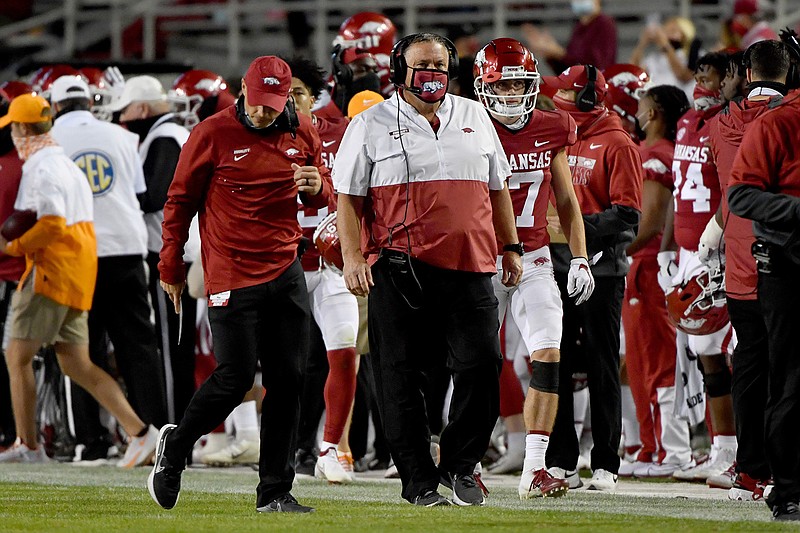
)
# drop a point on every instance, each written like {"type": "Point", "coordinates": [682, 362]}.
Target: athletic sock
{"type": "Point", "coordinates": [535, 448]}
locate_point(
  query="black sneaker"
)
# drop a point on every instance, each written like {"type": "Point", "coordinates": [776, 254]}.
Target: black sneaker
{"type": "Point", "coordinates": [164, 481]}
{"type": "Point", "coordinates": [305, 462]}
{"type": "Point", "coordinates": [466, 489]}
{"type": "Point", "coordinates": [431, 498]}
{"type": "Point", "coordinates": [285, 504]}
{"type": "Point", "coordinates": [786, 512]}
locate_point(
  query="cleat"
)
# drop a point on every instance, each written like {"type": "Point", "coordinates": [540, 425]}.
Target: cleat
{"type": "Point", "coordinates": [748, 489]}
{"type": "Point", "coordinates": [348, 465]}
{"type": "Point", "coordinates": [239, 452]}
{"type": "Point", "coordinates": [540, 483]}
{"type": "Point", "coordinates": [140, 449]}
{"type": "Point", "coordinates": [723, 480]}
{"type": "Point", "coordinates": [329, 468]}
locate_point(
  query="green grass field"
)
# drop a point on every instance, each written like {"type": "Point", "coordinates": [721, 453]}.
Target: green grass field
{"type": "Point", "coordinates": [63, 497]}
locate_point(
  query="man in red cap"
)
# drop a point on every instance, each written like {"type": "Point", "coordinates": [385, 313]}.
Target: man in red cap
{"type": "Point", "coordinates": [748, 23]}
{"type": "Point", "coordinates": [242, 170]}
{"type": "Point", "coordinates": [607, 176]}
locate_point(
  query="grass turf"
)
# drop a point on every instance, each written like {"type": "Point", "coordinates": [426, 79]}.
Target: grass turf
{"type": "Point", "coordinates": [68, 498]}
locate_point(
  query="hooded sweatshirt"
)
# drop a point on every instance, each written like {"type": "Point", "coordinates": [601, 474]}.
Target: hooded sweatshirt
{"type": "Point", "coordinates": [726, 130]}
{"type": "Point", "coordinates": [607, 176]}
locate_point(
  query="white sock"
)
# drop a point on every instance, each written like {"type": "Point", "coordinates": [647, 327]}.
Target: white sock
{"type": "Point", "coordinates": [327, 445]}
{"type": "Point", "coordinates": [630, 425]}
{"type": "Point", "coordinates": [245, 420]}
{"type": "Point", "coordinates": [516, 443]}
{"type": "Point", "coordinates": [726, 441]}
{"type": "Point", "coordinates": [535, 448]}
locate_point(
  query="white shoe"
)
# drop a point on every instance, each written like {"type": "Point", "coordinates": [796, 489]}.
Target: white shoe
{"type": "Point", "coordinates": [140, 449]}
{"type": "Point", "coordinates": [509, 463]}
{"type": "Point", "coordinates": [656, 470]}
{"type": "Point", "coordinates": [20, 453]}
{"type": "Point", "coordinates": [723, 480]}
{"type": "Point", "coordinates": [627, 468]}
{"type": "Point", "coordinates": [346, 460]}
{"type": "Point", "coordinates": [329, 468]}
{"type": "Point", "coordinates": [238, 452]}
{"type": "Point", "coordinates": [536, 483]}
{"type": "Point", "coordinates": [570, 476]}
{"type": "Point", "coordinates": [211, 443]}
{"type": "Point", "coordinates": [603, 480]}
{"type": "Point", "coordinates": [391, 472]}
{"type": "Point", "coordinates": [719, 462]}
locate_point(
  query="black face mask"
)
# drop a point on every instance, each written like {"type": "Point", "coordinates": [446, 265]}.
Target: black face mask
{"type": "Point", "coordinates": [640, 133]}
{"type": "Point", "coordinates": [677, 45]}
{"type": "Point", "coordinates": [343, 95]}
{"type": "Point", "coordinates": [141, 126]}
{"type": "Point", "coordinates": [286, 121]}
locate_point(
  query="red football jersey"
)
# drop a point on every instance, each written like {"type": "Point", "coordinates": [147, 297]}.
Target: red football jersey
{"type": "Point", "coordinates": [530, 152]}
{"type": "Point", "coordinates": [657, 164]}
{"type": "Point", "coordinates": [330, 132]}
{"type": "Point", "coordinates": [697, 193]}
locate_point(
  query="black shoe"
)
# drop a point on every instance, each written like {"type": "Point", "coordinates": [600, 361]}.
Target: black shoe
{"type": "Point", "coordinates": [285, 504]}
{"type": "Point", "coordinates": [786, 512]}
{"type": "Point", "coordinates": [466, 489]}
{"type": "Point", "coordinates": [164, 481]}
{"type": "Point", "coordinates": [431, 498]}
{"type": "Point", "coordinates": [305, 462]}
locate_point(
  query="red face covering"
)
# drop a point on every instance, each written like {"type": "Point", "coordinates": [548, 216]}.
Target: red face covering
{"type": "Point", "coordinates": [581, 118]}
{"type": "Point", "coordinates": [429, 85]}
{"type": "Point", "coordinates": [705, 98]}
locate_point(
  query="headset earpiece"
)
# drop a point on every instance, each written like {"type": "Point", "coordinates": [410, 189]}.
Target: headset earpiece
{"type": "Point", "coordinates": [586, 98]}
{"type": "Point", "coordinates": [398, 65]}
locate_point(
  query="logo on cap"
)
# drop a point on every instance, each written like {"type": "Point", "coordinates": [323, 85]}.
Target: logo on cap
{"type": "Point", "coordinates": [271, 80]}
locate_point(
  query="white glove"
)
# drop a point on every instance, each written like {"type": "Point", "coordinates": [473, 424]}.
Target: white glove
{"type": "Point", "coordinates": [667, 268]}
{"type": "Point", "coordinates": [709, 249]}
{"type": "Point", "coordinates": [115, 81]}
{"type": "Point", "coordinates": [580, 281]}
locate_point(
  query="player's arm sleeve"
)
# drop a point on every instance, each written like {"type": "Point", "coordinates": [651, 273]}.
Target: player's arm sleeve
{"type": "Point", "coordinates": [754, 171]}
{"type": "Point", "coordinates": [159, 168]}
{"type": "Point", "coordinates": [195, 168]}
{"type": "Point", "coordinates": [352, 167]}
{"type": "Point", "coordinates": [323, 197]}
{"type": "Point", "coordinates": [624, 167]}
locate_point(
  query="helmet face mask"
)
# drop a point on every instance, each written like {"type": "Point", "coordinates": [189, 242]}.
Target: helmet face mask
{"type": "Point", "coordinates": [506, 60]}
{"type": "Point", "coordinates": [698, 306]}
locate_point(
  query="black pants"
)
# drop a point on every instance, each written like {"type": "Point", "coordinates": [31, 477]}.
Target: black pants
{"type": "Point", "coordinates": [313, 395]}
{"type": "Point", "coordinates": [8, 431]}
{"type": "Point", "coordinates": [267, 323]}
{"type": "Point", "coordinates": [456, 312]}
{"type": "Point", "coordinates": [596, 323]}
{"type": "Point", "coordinates": [365, 408]}
{"type": "Point", "coordinates": [121, 312]}
{"type": "Point", "coordinates": [177, 357]}
{"type": "Point", "coordinates": [778, 295]}
{"type": "Point", "coordinates": [749, 385]}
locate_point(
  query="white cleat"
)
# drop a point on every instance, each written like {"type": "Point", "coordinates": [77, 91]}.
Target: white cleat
{"type": "Point", "coordinates": [603, 480]}
{"type": "Point", "coordinates": [328, 467]}
{"type": "Point", "coordinates": [239, 452]}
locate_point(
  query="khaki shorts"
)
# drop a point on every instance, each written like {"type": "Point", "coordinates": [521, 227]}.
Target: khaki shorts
{"type": "Point", "coordinates": [37, 317]}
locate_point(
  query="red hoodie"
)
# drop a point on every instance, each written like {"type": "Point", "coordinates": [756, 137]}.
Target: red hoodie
{"type": "Point", "coordinates": [727, 130]}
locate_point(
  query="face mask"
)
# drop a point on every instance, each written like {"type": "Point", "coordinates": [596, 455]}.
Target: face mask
{"type": "Point", "coordinates": [739, 29]}
{"type": "Point", "coordinates": [640, 128]}
{"type": "Point", "coordinates": [581, 8]}
{"type": "Point", "coordinates": [368, 82]}
{"type": "Point", "coordinates": [141, 126]}
{"type": "Point", "coordinates": [564, 104]}
{"type": "Point", "coordinates": [677, 45]}
{"type": "Point", "coordinates": [429, 85]}
{"type": "Point", "coordinates": [28, 145]}
{"type": "Point", "coordinates": [705, 98]}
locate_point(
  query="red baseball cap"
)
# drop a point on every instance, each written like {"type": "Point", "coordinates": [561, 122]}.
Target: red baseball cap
{"type": "Point", "coordinates": [745, 7]}
{"type": "Point", "coordinates": [268, 81]}
{"type": "Point", "coordinates": [575, 79]}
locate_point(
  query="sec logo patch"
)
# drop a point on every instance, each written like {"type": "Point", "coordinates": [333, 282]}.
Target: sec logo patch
{"type": "Point", "coordinates": [99, 170]}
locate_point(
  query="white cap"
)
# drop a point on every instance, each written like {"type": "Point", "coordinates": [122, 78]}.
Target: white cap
{"type": "Point", "coordinates": [139, 89]}
{"type": "Point", "coordinates": [67, 87]}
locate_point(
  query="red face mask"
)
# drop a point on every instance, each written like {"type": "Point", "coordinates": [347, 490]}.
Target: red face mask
{"type": "Point", "coordinates": [429, 85]}
{"type": "Point", "coordinates": [705, 98]}
{"type": "Point", "coordinates": [738, 28]}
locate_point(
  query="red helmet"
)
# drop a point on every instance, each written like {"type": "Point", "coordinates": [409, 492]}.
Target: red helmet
{"type": "Point", "coordinates": [698, 306]}
{"type": "Point", "coordinates": [326, 239]}
{"type": "Point", "coordinates": [193, 88]}
{"type": "Point", "coordinates": [371, 31]}
{"type": "Point", "coordinates": [506, 59]}
{"type": "Point", "coordinates": [11, 89]}
{"type": "Point", "coordinates": [626, 85]}
{"type": "Point", "coordinates": [42, 82]}
{"type": "Point", "coordinates": [101, 92]}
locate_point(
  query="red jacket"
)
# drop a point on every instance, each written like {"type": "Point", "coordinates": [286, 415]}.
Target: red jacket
{"type": "Point", "coordinates": [727, 130]}
{"type": "Point", "coordinates": [242, 184]}
{"type": "Point", "coordinates": [11, 268]}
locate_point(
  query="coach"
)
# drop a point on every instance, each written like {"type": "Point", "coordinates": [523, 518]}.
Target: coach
{"type": "Point", "coordinates": [242, 170]}
{"type": "Point", "coordinates": [421, 177]}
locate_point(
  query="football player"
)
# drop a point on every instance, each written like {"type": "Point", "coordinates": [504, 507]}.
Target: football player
{"type": "Point", "coordinates": [334, 308]}
{"type": "Point", "coordinates": [697, 197]}
{"type": "Point", "coordinates": [198, 94]}
{"type": "Point", "coordinates": [506, 83]}
{"type": "Point", "coordinates": [374, 33]}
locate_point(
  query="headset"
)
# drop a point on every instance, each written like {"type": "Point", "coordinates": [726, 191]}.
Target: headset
{"type": "Point", "coordinates": [398, 65]}
{"type": "Point", "coordinates": [586, 98]}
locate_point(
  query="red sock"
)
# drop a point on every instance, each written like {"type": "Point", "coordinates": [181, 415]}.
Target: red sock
{"type": "Point", "coordinates": [340, 388]}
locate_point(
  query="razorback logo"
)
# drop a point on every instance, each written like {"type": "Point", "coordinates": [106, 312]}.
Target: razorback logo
{"type": "Point", "coordinates": [467, 130]}
{"type": "Point", "coordinates": [432, 86]}
{"type": "Point", "coordinates": [540, 261]}
{"type": "Point", "coordinates": [271, 80]}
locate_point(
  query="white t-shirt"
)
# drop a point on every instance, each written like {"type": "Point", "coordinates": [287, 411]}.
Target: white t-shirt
{"type": "Point", "coordinates": [657, 65]}
{"type": "Point", "coordinates": [107, 154]}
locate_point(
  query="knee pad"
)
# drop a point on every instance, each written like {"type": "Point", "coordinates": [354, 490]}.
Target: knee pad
{"type": "Point", "coordinates": [544, 377]}
{"type": "Point", "coordinates": [718, 384]}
